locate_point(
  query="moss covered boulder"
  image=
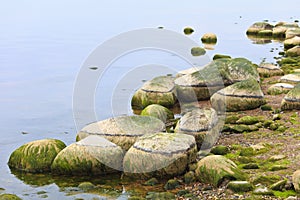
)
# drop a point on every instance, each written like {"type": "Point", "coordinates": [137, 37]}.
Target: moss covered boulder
{"type": "Point", "coordinates": [293, 52]}
{"type": "Point", "coordinates": [268, 70]}
{"type": "Point", "coordinates": [92, 155]}
{"type": "Point", "coordinates": [123, 130]}
{"type": "Point", "coordinates": [214, 169]}
{"type": "Point", "coordinates": [201, 84]}
{"type": "Point", "coordinates": [292, 32]}
{"type": "Point", "coordinates": [209, 38]}
{"type": "Point", "coordinates": [159, 90]}
{"type": "Point", "coordinates": [160, 155]}
{"type": "Point", "coordinates": [159, 112]}
{"type": "Point", "coordinates": [296, 180]}
{"type": "Point", "coordinates": [257, 27]}
{"type": "Point", "coordinates": [244, 95]}
{"type": "Point", "coordinates": [290, 43]}
{"type": "Point", "coordinates": [36, 156]}
{"type": "Point", "coordinates": [202, 124]}
{"type": "Point", "coordinates": [292, 99]}
{"type": "Point", "coordinates": [279, 88]}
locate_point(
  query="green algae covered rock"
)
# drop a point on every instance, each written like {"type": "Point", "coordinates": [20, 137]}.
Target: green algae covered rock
{"type": "Point", "coordinates": [159, 112]}
{"type": "Point", "coordinates": [159, 90]}
{"type": "Point", "coordinates": [201, 84]}
{"type": "Point", "coordinates": [198, 51]}
{"type": "Point", "coordinates": [188, 30]}
{"type": "Point", "coordinates": [160, 196]}
{"type": "Point", "coordinates": [202, 124]}
{"type": "Point", "coordinates": [244, 95]}
{"type": "Point", "coordinates": [123, 130]}
{"type": "Point", "coordinates": [268, 70]}
{"type": "Point", "coordinates": [9, 197]}
{"type": "Point", "coordinates": [36, 156]}
{"type": "Point", "coordinates": [292, 99]}
{"type": "Point", "coordinates": [214, 169]}
{"type": "Point", "coordinates": [92, 155]}
{"type": "Point", "coordinates": [240, 186]}
{"type": "Point", "coordinates": [160, 155]}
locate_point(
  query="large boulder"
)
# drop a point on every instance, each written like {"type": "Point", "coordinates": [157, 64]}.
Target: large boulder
{"type": "Point", "coordinates": [36, 156]}
{"type": "Point", "coordinates": [159, 112]}
{"type": "Point", "coordinates": [292, 99]}
{"type": "Point", "coordinates": [160, 155]}
{"type": "Point", "coordinates": [201, 123]}
{"type": "Point", "coordinates": [214, 169]}
{"type": "Point", "coordinates": [123, 130]}
{"type": "Point", "coordinates": [201, 84]}
{"type": "Point", "coordinates": [244, 95]}
{"type": "Point", "coordinates": [159, 90]}
{"type": "Point", "coordinates": [92, 155]}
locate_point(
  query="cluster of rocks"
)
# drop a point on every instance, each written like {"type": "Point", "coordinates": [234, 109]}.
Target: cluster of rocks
{"type": "Point", "coordinates": [289, 32]}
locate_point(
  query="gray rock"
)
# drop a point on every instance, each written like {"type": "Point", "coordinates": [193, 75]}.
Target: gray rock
{"type": "Point", "coordinates": [202, 124]}
{"type": "Point", "coordinates": [159, 90]}
{"type": "Point", "coordinates": [160, 155]}
{"type": "Point", "coordinates": [292, 99]}
{"type": "Point", "coordinates": [291, 78]}
{"type": "Point", "coordinates": [123, 130]}
{"type": "Point", "coordinates": [92, 155]}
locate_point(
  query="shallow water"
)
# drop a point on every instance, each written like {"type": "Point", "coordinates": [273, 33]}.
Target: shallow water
{"type": "Point", "coordinates": [44, 43]}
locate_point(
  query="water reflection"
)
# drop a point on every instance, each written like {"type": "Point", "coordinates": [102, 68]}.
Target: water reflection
{"type": "Point", "coordinates": [260, 40]}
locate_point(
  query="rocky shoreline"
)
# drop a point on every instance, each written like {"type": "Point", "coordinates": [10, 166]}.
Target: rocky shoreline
{"type": "Point", "coordinates": [242, 144]}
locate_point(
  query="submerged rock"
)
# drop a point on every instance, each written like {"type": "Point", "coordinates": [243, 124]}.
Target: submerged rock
{"type": "Point", "coordinates": [214, 169]}
{"type": "Point", "coordinates": [200, 123]}
{"type": "Point", "coordinates": [123, 130]}
{"type": "Point", "coordinates": [36, 156]}
{"type": "Point", "coordinates": [268, 70]}
{"type": "Point", "coordinates": [244, 95]}
{"type": "Point", "coordinates": [201, 84]}
{"type": "Point", "coordinates": [159, 112]}
{"type": "Point", "coordinates": [210, 38]}
{"type": "Point", "coordinates": [292, 99]}
{"type": "Point", "coordinates": [198, 51]}
{"type": "Point", "coordinates": [160, 155]}
{"type": "Point", "coordinates": [92, 155]}
{"type": "Point", "coordinates": [159, 90]}
{"type": "Point", "coordinates": [279, 88]}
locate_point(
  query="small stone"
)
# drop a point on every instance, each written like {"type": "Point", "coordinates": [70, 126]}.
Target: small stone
{"type": "Point", "coordinates": [171, 184]}
{"type": "Point", "coordinates": [248, 120]}
{"type": "Point", "coordinates": [277, 157]}
{"type": "Point", "coordinates": [239, 186]}
{"type": "Point", "coordinates": [151, 182]}
{"type": "Point", "coordinates": [278, 186]}
{"type": "Point", "coordinates": [188, 30]}
{"type": "Point", "coordinates": [86, 186]}
{"type": "Point", "coordinates": [198, 51]}
{"type": "Point", "coordinates": [220, 150]}
{"type": "Point", "coordinates": [189, 177]}
{"type": "Point", "coordinates": [209, 38]}
{"type": "Point", "coordinates": [262, 191]}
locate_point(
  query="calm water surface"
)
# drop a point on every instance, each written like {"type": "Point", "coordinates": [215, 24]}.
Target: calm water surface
{"type": "Point", "coordinates": [44, 43]}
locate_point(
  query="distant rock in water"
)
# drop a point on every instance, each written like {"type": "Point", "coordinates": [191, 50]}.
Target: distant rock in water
{"type": "Point", "coordinates": [160, 155]}
{"type": "Point", "coordinates": [123, 130]}
{"type": "Point", "coordinates": [244, 95]}
{"type": "Point", "coordinates": [92, 155]}
{"type": "Point", "coordinates": [258, 27]}
{"type": "Point", "coordinates": [292, 99]}
{"type": "Point", "coordinates": [201, 123]}
{"type": "Point", "coordinates": [36, 156]}
{"type": "Point", "coordinates": [188, 30]}
{"type": "Point", "coordinates": [293, 52]}
{"type": "Point", "coordinates": [159, 90]}
{"type": "Point", "coordinates": [292, 42]}
{"type": "Point", "coordinates": [209, 38]}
